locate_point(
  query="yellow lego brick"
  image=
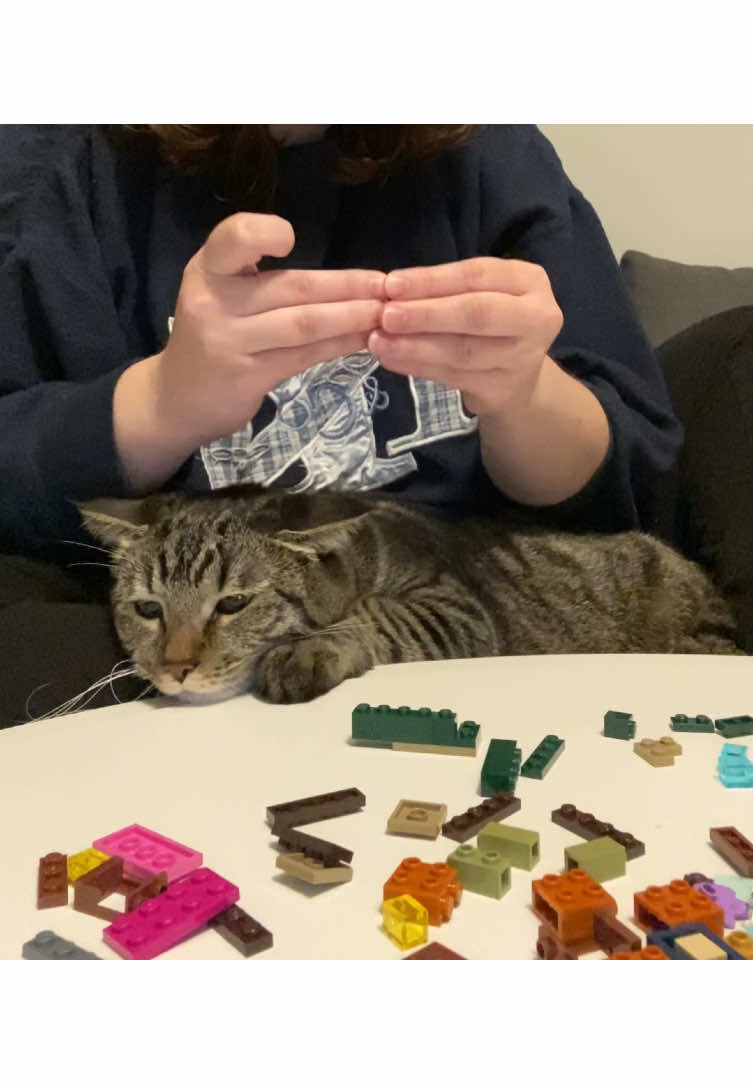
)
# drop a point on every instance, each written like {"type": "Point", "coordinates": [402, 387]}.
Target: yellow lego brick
{"type": "Point", "coordinates": [699, 947]}
{"type": "Point", "coordinates": [83, 862]}
{"type": "Point", "coordinates": [741, 942]}
{"type": "Point", "coordinates": [405, 921]}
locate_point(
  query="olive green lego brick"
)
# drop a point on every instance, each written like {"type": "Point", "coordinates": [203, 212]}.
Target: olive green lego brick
{"type": "Point", "coordinates": [501, 767]}
{"type": "Point", "coordinates": [543, 757]}
{"type": "Point", "coordinates": [737, 726]}
{"type": "Point", "coordinates": [693, 724]}
{"type": "Point", "coordinates": [484, 872]}
{"type": "Point", "coordinates": [519, 846]}
{"type": "Point", "coordinates": [619, 724]}
{"type": "Point", "coordinates": [408, 726]}
{"type": "Point", "coordinates": [603, 859]}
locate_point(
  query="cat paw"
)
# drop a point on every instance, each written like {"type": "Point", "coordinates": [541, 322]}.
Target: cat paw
{"type": "Point", "coordinates": [293, 673]}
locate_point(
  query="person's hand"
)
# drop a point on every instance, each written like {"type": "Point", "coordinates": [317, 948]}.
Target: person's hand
{"type": "Point", "coordinates": [482, 325]}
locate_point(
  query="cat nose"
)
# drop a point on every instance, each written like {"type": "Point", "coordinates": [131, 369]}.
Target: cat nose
{"type": "Point", "coordinates": [181, 669]}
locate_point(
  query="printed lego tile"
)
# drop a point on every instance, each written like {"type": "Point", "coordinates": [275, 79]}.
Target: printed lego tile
{"type": "Point", "coordinates": [587, 826]}
{"type": "Point", "coordinates": [602, 859]}
{"type": "Point", "coordinates": [519, 846]}
{"type": "Point", "coordinates": [736, 726]}
{"type": "Point", "coordinates": [146, 853]}
{"type": "Point", "coordinates": [329, 854]}
{"type": "Point", "coordinates": [741, 942]}
{"type": "Point", "coordinates": [434, 951]}
{"type": "Point", "coordinates": [185, 907]}
{"type": "Point", "coordinates": [109, 878]}
{"type": "Point", "coordinates": [466, 825]}
{"type": "Point", "coordinates": [435, 885]}
{"type": "Point", "coordinates": [312, 871]}
{"type": "Point", "coordinates": [659, 754]}
{"type": "Point", "coordinates": [405, 921]}
{"type": "Point", "coordinates": [46, 945]}
{"type": "Point", "coordinates": [650, 952]}
{"type": "Point", "coordinates": [543, 757]}
{"type": "Point", "coordinates": [414, 818]}
{"type": "Point", "coordinates": [320, 807]}
{"type": "Point", "coordinates": [619, 724]}
{"type": "Point", "coordinates": [611, 936]}
{"type": "Point", "coordinates": [405, 728]}
{"type": "Point", "coordinates": [695, 724]}
{"type": "Point", "coordinates": [484, 872]}
{"type": "Point", "coordinates": [568, 904]}
{"type": "Point", "coordinates": [81, 863]}
{"type": "Point", "coordinates": [549, 946]}
{"type": "Point", "coordinates": [667, 940]}
{"type": "Point", "coordinates": [733, 909]}
{"type": "Point", "coordinates": [501, 767]}
{"type": "Point", "coordinates": [696, 946]}
{"type": "Point", "coordinates": [733, 766]}
{"type": "Point", "coordinates": [52, 881]}
{"type": "Point", "coordinates": [675, 904]}
{"type": "Point", "coordinates": [733, 846]}
{"type": "Point", "coordinates": [241, 931]}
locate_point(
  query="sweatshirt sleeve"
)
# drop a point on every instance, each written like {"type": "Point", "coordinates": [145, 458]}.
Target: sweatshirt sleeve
{"type": "Point", "coordinates": [62, 347]}
{"type": "Point", "coordinates": [602, 342]}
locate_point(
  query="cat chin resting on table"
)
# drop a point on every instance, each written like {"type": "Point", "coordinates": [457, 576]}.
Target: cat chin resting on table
{"type": "Point", "coordinates": [287, 595]}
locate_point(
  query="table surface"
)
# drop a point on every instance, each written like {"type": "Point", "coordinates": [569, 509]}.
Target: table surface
{"type": "Point", "coordinates": [205, 775]}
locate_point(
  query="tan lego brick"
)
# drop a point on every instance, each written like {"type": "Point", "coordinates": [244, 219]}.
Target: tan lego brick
{"type": "Point", "coordinates": [659, 754]}
{"type": "Point", "coordinates": [451, 750]}
{"type": "Point", "coordinates": [699, 947]}
{"type": "Point", "coordinates": [414, 818]}
{"type": "Point", "coordinates": [313, 872]}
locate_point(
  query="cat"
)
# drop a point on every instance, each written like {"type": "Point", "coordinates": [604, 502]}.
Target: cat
{"type": "Point", "coordinates": [287, 595]}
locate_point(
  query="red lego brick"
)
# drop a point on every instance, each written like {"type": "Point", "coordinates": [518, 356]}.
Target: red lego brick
{"type": "Point", "coordinates": [466, 825]}
{"type": "Point", "coordinates": [568, 904]}
{"type": "Point", "coordinates": [650, 952]}
{"type": "Point", "coordinates": [549, 947]}
{"type": "Point", "coordinates": [612, 936]}
{"type": "Point", "coordinates": [587, 826]}
{"type": "Point", "coordinates": [241, 931]}
{"type": "Point", "coordinates": [733, 846]}
{"type": "Point", "coordinates": [434, 951]}
{"type": "Point", "coordinates": [52, 881]}
{"type": "Point", "coordinates": [434, 885]}
{"type": "Point", "coordinates": [660, 906]}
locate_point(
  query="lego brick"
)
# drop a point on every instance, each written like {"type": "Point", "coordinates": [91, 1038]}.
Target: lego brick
{"type": "Point", "coordinates": [696, 946]}
{"type": "Point", "coordinates": [405, 728]}
{"type": "Point", "coordinates": [466, 825]}
{"type": "Point", "coordinates": [46, 945]}
{"type": "Point", "coordinates": [241, 931]}
{"type": "Point", "coordinates": [611, 936]}
{"type": "Point", "coordinates": [501, 767]}
{"type": "Point", "coordinates": [740, 942]}
{"type": "Point", "coordinates": [146, 853]}
{"type": "Point", "coordinates": [736, 726]}
{"type": "Point", "coordinates": [734, 847]}
{"type": "Point", "coordinates": [733, 909]}
{"type": "Point", "coordinates": [659, 754]}
{"type": "Point", "coordinates": [749, 929]}
{"type": "Point", "coordinates": [414, 818]}
{"type": "Point", "coordinates": [435, 885]}
{"type": "Point", "coordinates": [693, 724]}
{"type": "Point", "coordinates": [320, 807]}
{"type": "Point", "coordinates": [667, 940]}
{"type": "Point", "coordinates": [185, 907]}
{"type": "Point", "coordinates": [312, 871]}
{"type": "Point", "coordinates": [107, 879]}
{"type": "Point", "coordinates": [549, 947]}
{"type": "Point", "coordinates": [733, 766]}
{"type": "Point", "coordinates": [741, 886]}
{"type": "Point", "coordinates": [52, 881]}
{"type": "Point", "coordinates": [81, 863]}
{"type": "Point", "coordinates": [619, 724]}
{"type": "Point", "coordinates": [568, 904]}
{"type": "Point", "coordinates": [543, 757]}
{"type": "Point", "coordinates": [434, 951]}
{"type": "Point", "coordinates": [484, 872]}
{"type": "Point", "coordinates": [405, 921]}
{"type": "Point", "coordinates": [443, 750]}
{"type": "Point", "coordinates": [650, 952]}
{"type": "Point", "coordinates": [518, 845]}
{"type": "Point", "coordinates": [587, 826]}
{"type": "Point", "coordinates": [696, 878]}
{"type": "Point", "coordinates": [675, 904]}
{"type": "Point", "coordinates": [329, 854]}
{"type": "Point", "coordinates": [602, 859]}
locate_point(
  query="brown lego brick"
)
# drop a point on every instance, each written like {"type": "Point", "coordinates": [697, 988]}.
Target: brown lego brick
{"type": "Point", "coordinates": [320, 807]}
{"type": "Point", "coordinates": [698, 947]}
{"type": "Point", "coordinates": [313, 872]}
{"type": "Point", "coordinates": [241, 931]}
{"type": "Point", "coordinates": [107, 879]}
{"type": "Point", "coordinates": [549, 946]}
{"type": "Point", "coordinates": [434, 951]}
{"type": "Point", "coordinates": [329, 854]}
{"type": "Point", "coordinates": [659, 754]}
{"type": "Point", "coordinates": [733, 846]}
{"type": "Point", "coordinates": [587, 826]}
{"type": "Point", "coordinates": [414, 818]}
{"type": "Point", "coordinates": [611, 936]}
{"type": "Point", "coordinates": [137, 891]}
{"type": "Point", "coordinates": [52, 881]}
{"type": "Point", "coordinates": [466, 825]}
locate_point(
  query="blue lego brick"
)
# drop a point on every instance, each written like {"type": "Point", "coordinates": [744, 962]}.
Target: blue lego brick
{"type": "Point", "coordinates": [733, 766]}
{"type": "Point", "coordinates": [409, 726]}
{"type": "Point", "coordinates": [693, 724]}
{"type": "Point", "coordinates": [543, 757]}
{"type": "Point", "coordinates": [665, 940]}
{"type": "Point", "coordinates": [619, 724]}
{"type": "Point", "coordinates": [736, 726]}
{"type": "Point", "coordinates": [48, 946]}
{"type": "Point", "coordinates": [501, 767]}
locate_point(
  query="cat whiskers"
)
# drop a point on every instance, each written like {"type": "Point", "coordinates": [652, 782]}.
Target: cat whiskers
{"type": "Point", "coordinates": [80, 701]}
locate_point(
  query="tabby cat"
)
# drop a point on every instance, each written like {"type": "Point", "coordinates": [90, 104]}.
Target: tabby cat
{"type": "Point", "coordinates": [288, 595]}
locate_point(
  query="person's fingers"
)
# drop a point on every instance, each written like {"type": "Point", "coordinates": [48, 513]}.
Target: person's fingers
{"type": "Point", "coordinates": [237, 244]}
{"type": "Point", "coordinates": [284, 363]}
{"type": "Point", "coordinates": [302, 325]}
{"type": "Point", "coordinates": [466, 276]}
{"type": "Point", "coordinates": [485, 314]}
{"type": "Point", "coordinates": [246, 295]}
{"type": "Point", "coordinates": [416, 354]}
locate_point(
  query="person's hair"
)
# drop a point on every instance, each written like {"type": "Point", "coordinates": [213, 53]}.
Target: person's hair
{"type": "Point", "coordinates": [239, 161]}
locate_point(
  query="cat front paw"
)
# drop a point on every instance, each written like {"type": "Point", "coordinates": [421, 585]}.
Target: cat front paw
{"type": "Point", "coordinates": [293, 673]}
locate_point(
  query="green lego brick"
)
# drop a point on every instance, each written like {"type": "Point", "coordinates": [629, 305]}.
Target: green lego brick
{"type": "Point", "coordinates": [484, 872]}
{"type": "Point", "coordinates": [543, 757]}
{"type": "Point", "coordinates": [501, 767]}
{"type": "Point", "coordinates": [737, 726]}
{"type": "Point", "coordinates": [619, 724]}
{"type": "Point", "coordinates": [693, 724]}
{"type": "Point", "coordinates": [603, 858]}
{"type": "Point", "coordinates": [412, 727]}
{"type": "Point", "coordinates": [518, 846]}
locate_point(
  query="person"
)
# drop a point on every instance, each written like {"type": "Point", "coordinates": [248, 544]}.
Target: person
{"type": "Point", "coordinates": [433, 312]}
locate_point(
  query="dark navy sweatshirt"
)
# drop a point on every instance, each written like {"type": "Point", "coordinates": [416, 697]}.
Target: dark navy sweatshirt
{"type": "Point", "coordinates": [93, 241]}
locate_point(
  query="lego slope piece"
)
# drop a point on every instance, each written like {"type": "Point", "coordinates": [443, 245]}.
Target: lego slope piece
{"type": "Point", "coordinates": [543, 757]}
{"type": "Point", "coordinates": [694, 724]}
{"type": "Point", "coordinates": [733, 846]}
{"type": "Point", "coordinates": [587, 826]}
{"type": "Point", "coordinates": [185, 907]}
{"type": "Point", "coordinates": [434, 951]}
{"type": "Point", "coordinates": [672, 942]}
{"type": "Point", "coordinates": [737, 726]}
{"type": "Point", "coordinates": [733, 909]}
{"type": "Point", "coordinates": [407, 729]}
{"type": "Point", "coordinates": [146, 853]}
{"type": "Point", "coordinates": [405, 921]}
{"type": "Point", "coordinates": [484, 872]}
{"type": "Point", "coordinates": [518, 845]}
{"type": "Point", "coordinates": [329, 854]}
{"type": "Point", "coordinates": [741, 942]}
{"type": "Point", "coordinates": [568, 904]}
{"type": "Point", "coordinates": [619, 724]}
{"type": "Point", "coordinates": [434, 884]}
{"type": "Point", "coordinates": [241, 931]}
{"type": "Point", "coordinates": [48, 946]}
{"type": "Point", "coordinates": [650, 952]}
{"type": "Point", "coordinates": [83, 862]}
{"type": "Point", "coordinates": [414, 818]}
{"type": "Point", "coordinates": [611, 936]}
{"type": "Point", "coordinates": [733, 766]}
{"type": "Point", "coordinates": [52, 881]}
{"type": "Point", "coordinates": [312, 871]}
{"type": "Point", "coordinates": [320, 807]}
{"type": "Point", "coordinates": [674, 904]}
{"type": "Point", "coordinates": [602, 859]}
{"type": "Point", "coordinates": [465, 825]}
{"type": "Point", "coordinates": [659, 754]}
{"type": "Point", "coordinates": [501, 767]}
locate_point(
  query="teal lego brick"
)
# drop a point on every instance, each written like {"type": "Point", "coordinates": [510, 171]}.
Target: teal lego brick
{"type": "Point", "coordinates": [484, 872]}
{"type": "Point", "coordinates": [543, 757]}
{"type": "Point", "coordinates": [411, 726]}
{"type": "Point", "coordinates": [737, 726]}
{"type": "Point", "coordinates": [619, 724]}
{"type": "Point", "coordinates": [519, 846]}
{"type": "Point", "coordinates": [692, 724]}
{"type": "Point", "coordinates": [733, 766]}
{"type": "Point", "coordinates": [501, 767]}
{"type": "Point", "coordinates": [603, 859]}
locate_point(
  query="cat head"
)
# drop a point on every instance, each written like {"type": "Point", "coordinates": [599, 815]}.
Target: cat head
{"type": "Point", "coordinates": [203, 585]}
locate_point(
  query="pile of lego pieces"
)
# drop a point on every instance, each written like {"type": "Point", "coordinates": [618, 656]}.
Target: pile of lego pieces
{"type": "Point", "coordinates": [309, 859]}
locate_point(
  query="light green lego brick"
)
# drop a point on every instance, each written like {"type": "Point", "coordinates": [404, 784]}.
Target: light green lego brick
{"type": "Point", "coordinates": [518, 845]}
{"type": "Point", "coordinates": [603, 858]}
{"type": "Point", "coordinates": [484, 872]}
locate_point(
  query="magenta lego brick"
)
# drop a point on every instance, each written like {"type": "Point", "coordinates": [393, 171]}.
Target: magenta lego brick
{"type": "Point", "coordinates": [146, 852]}
{"type": "Point", "coordinates": [734, 909]}
{"type": "Point", "coordinates": [184, 907]}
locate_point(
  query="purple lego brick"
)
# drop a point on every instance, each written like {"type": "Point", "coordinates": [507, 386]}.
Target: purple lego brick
{"type": "Point", "coordinates": [145, 853]}
{"type": "Point", "coordinates": [183, 908]}
{"type": "Point", "coordinates": [734, 909]}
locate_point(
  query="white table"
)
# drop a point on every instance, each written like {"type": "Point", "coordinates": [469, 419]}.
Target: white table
{"type": "Point", "coordinates": [204, 776]}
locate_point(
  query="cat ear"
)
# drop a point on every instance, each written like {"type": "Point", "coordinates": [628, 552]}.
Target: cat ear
{"type": "Point", "coordinates": [323, 539]}
{"type": "Point", "coordinates": [115, 522]}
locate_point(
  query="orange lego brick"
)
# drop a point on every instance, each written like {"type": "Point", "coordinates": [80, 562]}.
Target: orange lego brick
{"type": "Point", "coordinates": [650, 952]}
{"type": "Point", "coordinates": [434, 884]}
{"type": "Point", "coordinates": [675, 903]}
{"type": "Point", "coordinates": [568, 904]}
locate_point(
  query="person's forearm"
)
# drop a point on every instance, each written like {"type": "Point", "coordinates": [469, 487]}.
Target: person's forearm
{"type": "Point", "coordinates": [546, 449]}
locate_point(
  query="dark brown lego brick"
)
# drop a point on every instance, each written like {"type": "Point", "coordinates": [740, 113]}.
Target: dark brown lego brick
{"type": "Point", "coordinates": [434, 951]}
{"type": "Point", "coordinates": [241, 931]}
{"type": "Point", "coordinates": [612, 936]}
{"type": "Point", "coordinates": [549, 946]}
{"type": "Point", "coordinates": [468, 824]}
{"type": "Point", "coordinates": [587, 826]}
{"type": "Point", "coordinates": [320, 807]}
{"type": "Point", "coordinates": [696, 878]}
{"type": "Point", "coordinates": [105, 880]}
{"type": "Point", "coordinates": [733, 846]}
{"type": "Point", "coordinates": [328, 853]}
{"type": "Point", "coordinates": [52, 881]}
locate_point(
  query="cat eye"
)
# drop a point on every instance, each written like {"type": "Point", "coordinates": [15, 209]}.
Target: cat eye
{"type": "Point", "coordinates": [148, 608]}
{"type": "Point", "coordinates": [231, 604]}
